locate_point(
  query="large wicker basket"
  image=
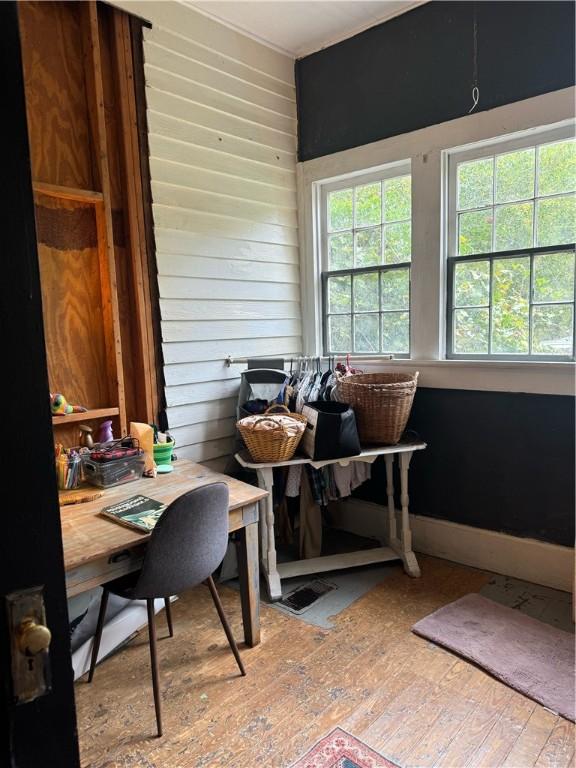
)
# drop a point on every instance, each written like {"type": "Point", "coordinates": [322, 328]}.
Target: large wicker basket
{"type": "Point", "coordinates": [382, 403]}
{"type": "Point", "coordinates": [271, 445]}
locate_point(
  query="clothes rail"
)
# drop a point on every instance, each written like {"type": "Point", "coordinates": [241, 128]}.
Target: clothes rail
{"type": "Point", "coordinates": [352, 358]}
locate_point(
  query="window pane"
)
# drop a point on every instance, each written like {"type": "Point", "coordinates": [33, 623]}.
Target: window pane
{"type": "Point", "coordinates": [339, 333]}
{"type": "Point", "coordinates": [510, 291]}
{"type": "Point", "coordinates": [475, 232]}
{"type": "Point", "coordinates": [397, 198]}
{"type": "Point", "coordinates": [556, 220]}
{"type": "Point", "coordinates": [340, 210]}
{"type": "Point", "coordinates": [470, 331]}
{"type": "Point", "coordinates": [366, 294]}
{"type": "Point", "coordinates": [339, 299]}
{"type": "Point", "coordinates": [514, 226]}
{"type": "Point", "coordinates": [366, 336]}
{"type": "Point", "coordinates": [340, 251]}
{"type": "Point", "coordinates": [472, 284]}
{"type": "Point", "coordinates": [368, 210]}
{"type": "Point", "coordinates": [396, 289]}
{"type": "Point", "coordinates": [397, 243]}
{"type": "Point", "coordinates": [553, 278]}
{"type": "Point", "coordinates": [368, 247]}
{"type": "Point", "coordinates": [557, 168]}
{"type": "Point", "coordinates": [396, 332]}
{"type": "Point", "coordinates": [475, 183]}
{"type": "Point", "coordinates": [515, 176]}
{"type": "Point", "coordinates": [552, 328]}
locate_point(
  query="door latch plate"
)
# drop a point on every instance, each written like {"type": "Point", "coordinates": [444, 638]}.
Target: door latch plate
{"type": "Point", "coordinates": [30, 673]}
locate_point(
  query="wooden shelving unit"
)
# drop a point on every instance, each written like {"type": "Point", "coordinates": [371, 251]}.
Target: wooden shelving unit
{"type": "Point", "coordinates": [94, 251]}
{"type": "Point", "coordinates": [90, 415]}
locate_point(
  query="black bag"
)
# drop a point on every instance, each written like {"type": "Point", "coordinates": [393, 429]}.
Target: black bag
{"type": "Point", "coordinates": [331, 431]}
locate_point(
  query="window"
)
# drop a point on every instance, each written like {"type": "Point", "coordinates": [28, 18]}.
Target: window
{"type": "Point", "coordinates": [511, 234]}
{"type": "Point", "coordinates": [366, 236]}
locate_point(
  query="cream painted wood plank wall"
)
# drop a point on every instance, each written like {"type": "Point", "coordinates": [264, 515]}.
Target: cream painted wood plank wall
{"type": "Point", "coordinates": [221, 112]}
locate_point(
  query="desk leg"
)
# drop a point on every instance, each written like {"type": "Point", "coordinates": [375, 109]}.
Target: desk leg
{"type": "Point", "coordinates": [269, 565]}
{"type": "Point", "coordinates": [408, 557]}
{"type": "Point", "coordinates": [249, 576]}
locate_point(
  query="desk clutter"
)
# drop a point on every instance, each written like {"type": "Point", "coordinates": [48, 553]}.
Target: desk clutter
{"type": "Point", "coordinates": [109, 462]}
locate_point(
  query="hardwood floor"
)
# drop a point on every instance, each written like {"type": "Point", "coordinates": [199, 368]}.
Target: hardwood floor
{"type": "Point", "coordinates": [410, 700]}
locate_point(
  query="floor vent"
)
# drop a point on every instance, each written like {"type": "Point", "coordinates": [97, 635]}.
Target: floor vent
{"type": "Point", "coordinates": [305, 596]}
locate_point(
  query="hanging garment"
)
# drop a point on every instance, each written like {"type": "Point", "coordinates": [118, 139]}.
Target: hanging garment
{"type": "Point", "coordinates": [342, 480]}
{"type": "Point", "coordinates": [361, 471]}
{"type": "Point", "coordinates": [310, 522]}
{"type": "Point", "coordinates": [282, 524]}
{"type": "Point", "coordinates": [317, 485]}
{"type": "Point", "coordinates": [293, 480]}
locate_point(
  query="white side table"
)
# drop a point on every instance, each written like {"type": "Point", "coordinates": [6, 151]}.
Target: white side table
{"type": "Point", "coordinates": [398, 521]}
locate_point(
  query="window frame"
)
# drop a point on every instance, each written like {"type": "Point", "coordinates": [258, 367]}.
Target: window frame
{"type": "Point", "coordinates": [478, 151]}
{"type": "Point", "coordinates": [383, 173]}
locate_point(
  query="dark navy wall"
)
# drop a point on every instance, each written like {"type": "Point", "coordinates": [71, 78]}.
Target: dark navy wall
{"type": "Point", "coordinates": [496, 460]}
{"type": "Point", "coordinates": [418, 70]}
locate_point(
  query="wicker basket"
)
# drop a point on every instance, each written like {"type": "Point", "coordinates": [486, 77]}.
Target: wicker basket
{"type": "Point", "coordinates": [271, 445]}
{"type": "Point", "coordinates": [381, 402]}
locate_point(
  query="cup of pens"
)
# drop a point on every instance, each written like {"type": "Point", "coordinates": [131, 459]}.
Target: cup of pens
{"type": "Point", "coordinates": [68, 470]}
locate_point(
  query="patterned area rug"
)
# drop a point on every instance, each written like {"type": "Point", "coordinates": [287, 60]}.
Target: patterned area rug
{"type": "Point", "coordinates": [342, 750]}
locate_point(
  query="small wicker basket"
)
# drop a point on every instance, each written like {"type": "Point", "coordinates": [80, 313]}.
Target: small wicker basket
{"type": "Point", "coordinates": [271, 445]}
{"type": "Point", "coordinates": [382, 403]}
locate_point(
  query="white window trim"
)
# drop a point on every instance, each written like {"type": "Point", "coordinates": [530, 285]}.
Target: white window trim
{"type": "Point", "coordinates": [427, 149]}
{"type": "Point", "coordinates": [389, 171]}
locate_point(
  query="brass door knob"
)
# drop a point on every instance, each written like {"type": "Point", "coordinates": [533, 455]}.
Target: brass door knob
{"type": "Point", "coordinates": [33, 638]}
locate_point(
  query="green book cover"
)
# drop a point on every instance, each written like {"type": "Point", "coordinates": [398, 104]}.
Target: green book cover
{"type": "Point", "coordinates": [139, 512]}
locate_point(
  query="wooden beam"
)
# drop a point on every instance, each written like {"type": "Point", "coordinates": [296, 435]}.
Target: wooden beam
{"type": "Point", "coordinates": [110, 311]}
{"type": "Point", "coordinates": [134, 211]}
{"type": "Point", "coordinates": [67, 193]}
{"type": "Point", "coordinates": [150, 267]}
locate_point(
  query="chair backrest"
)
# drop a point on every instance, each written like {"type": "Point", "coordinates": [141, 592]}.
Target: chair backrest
{"type": "Point", "coordinates": [187, 544]}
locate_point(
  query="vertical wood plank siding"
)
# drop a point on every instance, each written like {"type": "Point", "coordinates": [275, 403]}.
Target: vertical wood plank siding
{"type": "Point", "coordinates": [221, 112]}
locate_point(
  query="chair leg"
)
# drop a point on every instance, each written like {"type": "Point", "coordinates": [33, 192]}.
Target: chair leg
{"type": "Point", "coordinates": [225, 624]}
{"type": "Point", "coordinates": [169, 616]}
{"type": "Point", "coordinates": [98, 634]}
{"type": "Point", "coordinates": [154, 663]}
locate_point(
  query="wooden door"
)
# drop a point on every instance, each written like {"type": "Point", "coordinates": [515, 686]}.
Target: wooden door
{"type": "Point", "coordinates": [43, 731]}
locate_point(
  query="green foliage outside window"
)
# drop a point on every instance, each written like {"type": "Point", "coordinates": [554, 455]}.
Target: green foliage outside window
{"type": "Point", "coordinates": [521, 305]}
{"type": "Point", "coordinates": [369, 226]}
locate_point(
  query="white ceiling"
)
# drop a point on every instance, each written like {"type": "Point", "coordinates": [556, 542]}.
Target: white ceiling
{"type": "Point", "coordinates": [299, 27]}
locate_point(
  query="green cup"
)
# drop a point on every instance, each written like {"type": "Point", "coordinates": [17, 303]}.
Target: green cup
{"type": "Point", "coordinates": [163, 452]}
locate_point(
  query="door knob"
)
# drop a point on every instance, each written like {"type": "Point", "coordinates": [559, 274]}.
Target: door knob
{"type": "Point", "coordinates": [33, 638]}
{"type": "Point", "coordinates": [29, 644]}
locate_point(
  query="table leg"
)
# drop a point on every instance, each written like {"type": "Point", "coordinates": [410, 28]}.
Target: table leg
{"type": "Point", "coordinates": [409, 558]}
{"type": "Point", "coordinates": [249, 577]}
{"type": "Point", "coordinates": [269, 564]}
{"type": "Point", "coordinates": [392, 534]}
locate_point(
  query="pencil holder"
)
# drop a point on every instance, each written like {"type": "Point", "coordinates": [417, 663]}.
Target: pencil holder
{"type": "Point", "coordinates": [68, 470]}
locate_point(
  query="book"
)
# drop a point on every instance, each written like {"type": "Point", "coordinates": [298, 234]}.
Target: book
{"type": "Point", "coordinates": [139, 512]}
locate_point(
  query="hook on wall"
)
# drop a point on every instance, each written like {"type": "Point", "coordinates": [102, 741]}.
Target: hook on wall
{"type": "Point", "coordinates": [475, 87]}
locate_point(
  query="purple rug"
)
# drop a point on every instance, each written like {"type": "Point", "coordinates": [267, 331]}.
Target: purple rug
{"type": "Point", "coordinates": [526, 654]}
{"type": "Point", "coordinates": [342, 750]}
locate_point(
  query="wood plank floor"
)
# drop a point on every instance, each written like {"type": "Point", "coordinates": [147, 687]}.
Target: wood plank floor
{"type": "Point", "coordinates": [414, 702]}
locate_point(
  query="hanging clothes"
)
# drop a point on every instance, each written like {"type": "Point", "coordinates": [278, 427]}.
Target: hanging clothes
{"type": "Point", "coordinates": [310, 522]}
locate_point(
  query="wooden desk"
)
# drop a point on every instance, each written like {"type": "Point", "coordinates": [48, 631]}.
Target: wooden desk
{"type": "Point", "coordinates": [399, 539]}
{"type": "Point", "coordinates": [97, 550]}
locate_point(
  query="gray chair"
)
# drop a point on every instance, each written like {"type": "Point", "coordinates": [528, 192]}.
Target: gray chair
{"type": "Point", "coordinates": [187, 544]}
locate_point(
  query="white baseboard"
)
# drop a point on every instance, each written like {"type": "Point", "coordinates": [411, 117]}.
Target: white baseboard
{"type": "Point", "coordinates": [551, 565]}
